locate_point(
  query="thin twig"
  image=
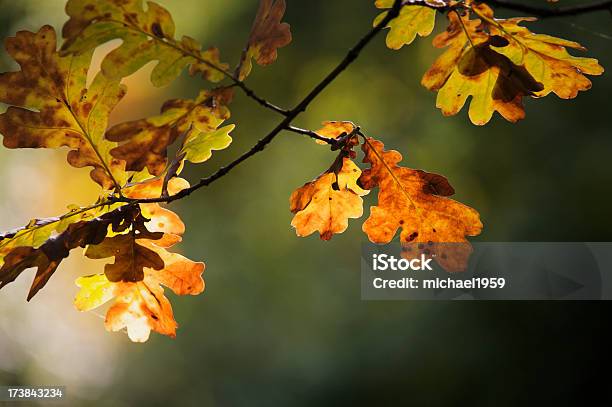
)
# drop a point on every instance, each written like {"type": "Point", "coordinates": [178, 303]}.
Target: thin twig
{"type": "Point", "coordinates": [350, 57]}
{"type": "Point", "coordinates": [544, 12]}
{"type": "Point", "coordinates": [250, 93]}
{"type": "Point", "coordinates": [312, 134]}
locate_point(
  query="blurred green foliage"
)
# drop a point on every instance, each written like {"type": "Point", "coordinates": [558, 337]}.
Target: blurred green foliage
{"type": "Point", "coordinates": [281, 322]}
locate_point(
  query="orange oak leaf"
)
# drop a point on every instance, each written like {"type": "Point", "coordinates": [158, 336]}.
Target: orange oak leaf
{"type": "Point", "coordinates": [51, 106]}
{"type": "Point", "coordinates": [327, 203]}
{"type": "Point", "coordinates": [267, 35]}
{"type": "Point", "coordinates": [416, 201]}
{"type": "Point", "coordinates": [142, 266]}
{"type": "Point", "coordinates": [144, 143]}
{"type": "Point", "coordinates": [139, 307]}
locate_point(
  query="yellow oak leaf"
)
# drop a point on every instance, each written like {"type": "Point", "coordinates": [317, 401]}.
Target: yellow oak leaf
{"type": "Point", "coordinates": [498, 62]}
{"type": "Point", "coordinates": [545, 57]}
{"type": "Point", "coordinates": [412, 20]}
{"type": "Point", "coordinates": [471, 68]}
{"type": "Point", "coordinates": [147, 35]}
{"type": "Point", "coordinates": [416, 202]}
{"type": "Point", "coordinates": [198, 147]}
{"type": "Point", "coordinates": [50, 106]}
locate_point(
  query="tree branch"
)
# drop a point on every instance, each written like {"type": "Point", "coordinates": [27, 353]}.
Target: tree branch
{"type": "Point", "coordinates": [545, 12]}
{"type": "Point", "coordinates": [250, 93]}
{"type": "Point", "coordinates": [285, 124]}
{"type": "Point", "coordinates": [312, 134]}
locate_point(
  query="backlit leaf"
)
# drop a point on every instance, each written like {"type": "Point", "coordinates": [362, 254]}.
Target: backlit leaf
{"type": "Point", "coordinates": [411, 21]}
{"type": "Point", "coordinates": [51, 107]}
{"type": "Point", "coordinates": [142, 265]}
{"type": "Point", "coordinates": [416, 202]}
{"type": "Point", "coordinates": [327, 203]}
{"type": "Point", "coordinates": [543, 56]}
{"type": "Point", "coordinates": [18, 254]}
{"type": "Point", "coordinates": [147, 35]}
{"type": "Point", "coordinates": [267, 35]}
{"type": "Point", "coordinates": [199, 146]}
{"type": "Point", "coordinates": [144, 143]}
{"type": "Point", "coordinates": [471, 68]}
{"type": "Point", "coordinates": [498, 62]}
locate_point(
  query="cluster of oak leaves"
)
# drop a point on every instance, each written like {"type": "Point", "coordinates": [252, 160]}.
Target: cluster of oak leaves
{"type": "Point", "coordinates": [496, 62]}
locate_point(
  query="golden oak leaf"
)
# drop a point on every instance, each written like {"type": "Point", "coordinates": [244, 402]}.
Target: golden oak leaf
{"type": "Point", "coordinates": [412, 20]}
{"type": "Point", "coordinates": [543, 56]}
{"type": "Point", "coordinates": [267, 35]}
{"type": "Point", "coordinates": [45, 245]}
{"type": "Point", "coordinates": [498, 62]}
{"type": "Point", "coordinates": [51, 107]}
{"type": "Point", "coordinates": [416, 202]}
{"type": "Point", "coordinates": [326, 204]}
{"type": "Point", "coordinates": [147, 35]}
{"type": "Point", "coordinates": [471, 68]}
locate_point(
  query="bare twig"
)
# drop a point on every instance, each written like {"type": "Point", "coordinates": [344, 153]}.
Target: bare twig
{"type": "Point", "coordinates": [250, 93]}
{"type": "Point", "coordinates": [541, 12]}
{"type": "Point", "coordinates": [544, 12]}
{"type": "Point", "coordinates": [312, 134]}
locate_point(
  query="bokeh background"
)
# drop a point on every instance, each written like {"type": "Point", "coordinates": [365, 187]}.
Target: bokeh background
{"type": "Point", "coordinates": [281, 322]}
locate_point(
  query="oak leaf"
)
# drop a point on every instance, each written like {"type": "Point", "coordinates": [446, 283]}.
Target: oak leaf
{"type": "Point", "coordinates": [51, 106]}
{"type": "Point", "coordinates": [267, 35]}
{"type": "Point", "coordinates": [416, 201]}
{"type": "Point", "coordinates": [545, 57]}
{"type": "Point", "coordinates": [147, 35]}
{"type": "Point", "coordinates": [198, 147]}
{"type": "Point", "coordinates": [142, 265]}
{"type": "Point", "coordinates": [470, 67]}
{"type": "Point", "coordinates": [144, 143]}
{"type": "Point", "coordinates": [139, 307]}
{"type": "Point", "coordinates": [412, 20]}
{"type": "Point", "coordinates": [497, 63]}
{"type": "Point", "coordinates": [46, 244]}
{"type": "Point", "coordinates": [327, 203]}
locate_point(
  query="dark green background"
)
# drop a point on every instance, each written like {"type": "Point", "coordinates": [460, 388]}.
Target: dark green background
{"type": "Point", "coordinates": [281, 322]}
